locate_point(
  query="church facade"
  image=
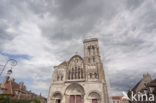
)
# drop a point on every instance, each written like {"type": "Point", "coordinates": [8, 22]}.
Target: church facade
{"type": "Point", "coordinates": [81, 79]}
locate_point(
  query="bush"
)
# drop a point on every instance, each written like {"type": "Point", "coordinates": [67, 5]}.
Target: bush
{"type": "Point", "coordinates": [36, 100]}
{"type": "Point", "coordinates": [7, 99]}
{"type": "Point", "coordinates": [4, 98]}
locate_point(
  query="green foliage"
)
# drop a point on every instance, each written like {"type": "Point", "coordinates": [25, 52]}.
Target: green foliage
{"type": "Point", "coordinates": [36, 100]}
{"type": "Point", "coordinates": [20, 101]}
{"type": "Point", "coordinates": [7, 99]}
{"type": "Point", "coordinates": [4, 98]}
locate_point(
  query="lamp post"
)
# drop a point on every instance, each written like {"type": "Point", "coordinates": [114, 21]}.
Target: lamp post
{"type": "Point", "coordinates": [13, 63]}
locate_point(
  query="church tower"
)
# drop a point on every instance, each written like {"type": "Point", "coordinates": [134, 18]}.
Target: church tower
{"type": "Point", "coordinates": [80, 79]}
{"type": "Point", "coordinates": [92, 60]}
{"type": "Point", "coordinates": [91, 51]}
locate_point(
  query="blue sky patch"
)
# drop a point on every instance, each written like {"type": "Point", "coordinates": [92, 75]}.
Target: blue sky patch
{"type": "Point", "coordinates": [16, 56]}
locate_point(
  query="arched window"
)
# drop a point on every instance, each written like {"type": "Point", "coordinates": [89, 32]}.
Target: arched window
{"type": "Point", "coordinates": [93, 50]}
{"type": "Point", "coordinates": [75, 72]}
{"type": "Point", "coordinates": [81, 73]}
{"type": "Point", "coordinates": [90, 75]}
{"type": "Point", "coordinates": [58, 77]}
{"type": "Point", "coordinates": [93, 59]}
{"type": "Point", "coordinates": [61, 77]}
{"type": "Point", "coordinates": [78, 73]}
{"type": "Point", "coordinates": [72, 69]}
{"type": "Point", "coordinates": [88, 60]}
{"type": "Point", "coordinates": [95, 74]}
{"type": "Point", "coordinates": [69, 75]}
{"type": "Point", "coordinates": [89, 50]}
{"type": "Point", "coordinates": [72, 73]}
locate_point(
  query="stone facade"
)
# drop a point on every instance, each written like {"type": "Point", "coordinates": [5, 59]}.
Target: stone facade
{"type": "Point", "coordinates": [81, 79]}
{"type": "Point", "coordinates": [145, 86]}
{"type": "Point", "coordinates": [142, 83]}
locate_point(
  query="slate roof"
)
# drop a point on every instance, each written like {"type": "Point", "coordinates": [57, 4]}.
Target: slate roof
{"type": "Point", "coordinates": [135, 87]}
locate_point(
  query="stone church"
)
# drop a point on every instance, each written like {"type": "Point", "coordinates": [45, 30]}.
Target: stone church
{"type": "Point", "coordinates": [80, 79]}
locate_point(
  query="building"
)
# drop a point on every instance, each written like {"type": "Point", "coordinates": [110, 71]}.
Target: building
{"type": "Point", "coordinates": [145, 86]}
{"type": "Point", "coordinates": [80, 79]}
{"type": "Point", "coordinates": [142, 83]}
{"type": "Point", "coordinates": [152, 87]}
{"type": "Point", "coordinates": [18, 91]}
{"type": "Point", "coordinates": [119, 99]}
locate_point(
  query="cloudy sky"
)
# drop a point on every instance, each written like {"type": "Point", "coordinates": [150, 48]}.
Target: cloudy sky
{"type": "Point", "coordinates": [40, 34]}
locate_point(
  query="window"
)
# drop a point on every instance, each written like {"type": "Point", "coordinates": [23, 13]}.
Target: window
{"type": "Point", "coordinates": [75, 69]}
{"type": "Point", "coordinates": [75, 73]}
{"type": "Point", "coordinates": [93, 59]}
{"type": "Point", "coordinates": [72, 69]}
{"type": "Point", "coordinates": [78, 73]}
{"type": "Point", "coordinates": [90, 75]}
{"type": "Point", "coordinates": [95, 74]}
{"type": "Point", "coordinates": [93, 50]}
{"type": "Point", "coordinates": [88, 60]}
{"type": "Point", "coordinates": [62, 77]}
{"type": "Point", "coordinates": [89, 50]}
{"type": "Point", "coordinates": [69, 75]}
{"type": "Point", "coordinates": [81, 73]}
{"type": "Point", "coordinates": [58, 77]}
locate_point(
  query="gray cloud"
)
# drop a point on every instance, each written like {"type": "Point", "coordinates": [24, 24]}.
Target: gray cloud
{"type": "Point", "coordinates": [51, 31]}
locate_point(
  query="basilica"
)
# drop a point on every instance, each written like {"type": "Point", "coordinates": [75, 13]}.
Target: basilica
{"type": "Point", "coordinates": [80, 79]}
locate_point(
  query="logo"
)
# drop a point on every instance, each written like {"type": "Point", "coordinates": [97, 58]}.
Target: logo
{"type": "Point", "coordinates": [138, 96]}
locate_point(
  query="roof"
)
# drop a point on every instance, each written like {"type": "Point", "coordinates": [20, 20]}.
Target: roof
{"type": "Point", "coordinates": [75, 56]}
{"type": "Point", "coordinates": [11, 86]}
{"type": "Point", "coordinates": [152, 83]}
{"type": "Point", "coordinates": [135, 87]}
{"type": "Point", "coordinates": [63, 63]}
{"type": "Point", "coordinates": [89, 40]}
{"type": "Point", "coordinates": [119, 98]}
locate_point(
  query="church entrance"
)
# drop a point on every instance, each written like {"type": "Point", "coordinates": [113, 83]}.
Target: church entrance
{"type": "Point", "coordinates": [94, 97]}
{"type": "Point", "coordinates": [74, 93]}
{"type": "Point", "coordinates": [56, 97]}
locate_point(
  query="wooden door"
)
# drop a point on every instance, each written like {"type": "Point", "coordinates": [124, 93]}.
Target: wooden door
{"type": "Point", "coordinates": [78, 99]}
{"type": "Point", "coordinates": [94, 101]}
{"type": "Point", "coordinates": [72, 99]}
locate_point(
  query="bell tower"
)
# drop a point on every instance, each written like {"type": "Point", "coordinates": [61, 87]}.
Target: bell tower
{"type": "Point", "coordinates": [92, 60]}
{"type": "Point", "coordinates": [91, 51]}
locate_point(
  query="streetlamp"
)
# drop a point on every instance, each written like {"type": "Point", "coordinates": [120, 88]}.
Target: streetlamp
{"type": "Point", "coordinates": [13, 63]}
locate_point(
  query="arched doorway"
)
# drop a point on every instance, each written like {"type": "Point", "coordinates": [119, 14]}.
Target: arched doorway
{"type": "Point", "coordinates": [94, 97]}
{"type": "Point", "coordinates": [74, 93]}
{"type": "Point", "coordinates": [57, 97]}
